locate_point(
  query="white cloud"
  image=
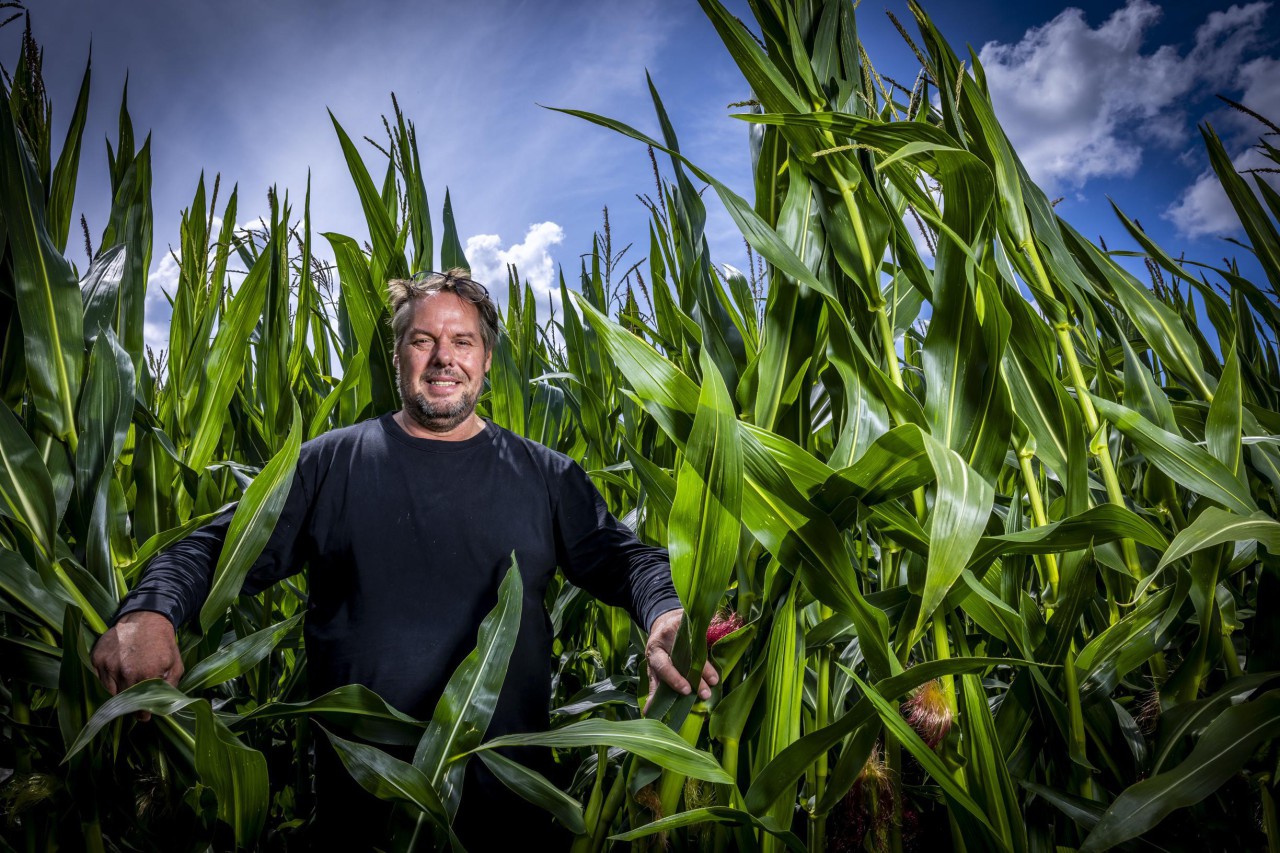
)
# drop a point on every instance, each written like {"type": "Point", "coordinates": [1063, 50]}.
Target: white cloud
{"type": "Point", "coordinates": [532, 259]}
{"type": "Point", "coordinates": [1080, 102]}
{"type": "Point", "coordinates": [1260, 93]}
{"type": "Point", "coordinates": [1204, 209]}
{"type": "Point", "coordinates": [162, 280]}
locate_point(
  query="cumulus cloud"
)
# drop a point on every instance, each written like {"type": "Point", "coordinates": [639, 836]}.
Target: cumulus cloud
{"type": "Point", "coordinates": [162, 280]}
{"type": "Point", "coordinates": [1204, 209]}
{"type": "Point", "coordinates": [1082, 102]}
{"type": "Point", "coordinates": [531, 257]}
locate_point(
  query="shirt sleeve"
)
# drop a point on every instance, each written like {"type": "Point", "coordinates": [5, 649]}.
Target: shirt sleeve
{"type": "Point", "coordinates": [178, 580]}
{"type": "Point", "coordinates": [602, 555]}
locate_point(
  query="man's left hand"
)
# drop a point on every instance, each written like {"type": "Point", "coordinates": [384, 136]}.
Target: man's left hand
{"type": "Point", "coordinates": [662, 639]}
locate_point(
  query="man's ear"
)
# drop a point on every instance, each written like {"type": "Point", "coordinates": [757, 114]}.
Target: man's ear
{"type": "Point", "coordinates": [488, 361]}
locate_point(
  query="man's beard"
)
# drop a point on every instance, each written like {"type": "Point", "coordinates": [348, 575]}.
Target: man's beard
{"type": "Point", "coordinates": [436, 417]}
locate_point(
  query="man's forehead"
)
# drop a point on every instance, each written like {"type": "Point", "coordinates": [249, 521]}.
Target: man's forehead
{"type": "Point", "coordinates": [434, 308]}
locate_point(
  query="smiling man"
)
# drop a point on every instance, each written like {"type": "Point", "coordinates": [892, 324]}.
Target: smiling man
{"type": "Point", "coordinates": [407, 523]}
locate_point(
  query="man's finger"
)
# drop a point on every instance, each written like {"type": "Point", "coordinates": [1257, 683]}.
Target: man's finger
{"type": "Point", "coordinates": [144, 716]}
{"type": "Point", "coordinates": [108, 682]}
{"type": "Point", "coordinates": [660, 663]}
{"type": "Point", "coordinates": [709, 674]}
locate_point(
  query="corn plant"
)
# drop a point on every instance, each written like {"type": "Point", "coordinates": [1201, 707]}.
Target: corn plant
{"type": "Point", "coordinates": [980, 538]}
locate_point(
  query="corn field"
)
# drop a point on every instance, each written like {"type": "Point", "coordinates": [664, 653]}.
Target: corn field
{"type": "Point", "coordinates": [980, 535]}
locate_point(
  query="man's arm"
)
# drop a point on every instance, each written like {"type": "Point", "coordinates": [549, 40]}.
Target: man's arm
{"type": "Point", "coordinates": [602, 555]}
{"type": "Point", "coordinates": [142, 643]}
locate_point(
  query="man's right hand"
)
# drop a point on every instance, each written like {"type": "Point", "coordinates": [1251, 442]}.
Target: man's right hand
{"type": "Point", "coordinates": [142, 645]}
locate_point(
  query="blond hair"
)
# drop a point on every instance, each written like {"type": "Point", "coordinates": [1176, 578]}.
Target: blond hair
{"type": "Point", "coordinates": [404, 292]}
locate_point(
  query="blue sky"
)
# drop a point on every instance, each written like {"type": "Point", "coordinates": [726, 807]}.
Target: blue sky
{"type": "Point", "coordinates": [1101, 99]}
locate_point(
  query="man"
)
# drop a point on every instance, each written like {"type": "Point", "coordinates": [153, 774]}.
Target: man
{"type": "Point", "coordinates": [407, 523]}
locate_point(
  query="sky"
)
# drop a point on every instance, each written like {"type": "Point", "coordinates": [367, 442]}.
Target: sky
{"type": "Point", "coordinates": [1101, 100]}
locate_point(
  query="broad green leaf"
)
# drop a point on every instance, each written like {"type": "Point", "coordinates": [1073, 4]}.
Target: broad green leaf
{"type": "Point", "coordinates": [354, 706]}
{"type": "Point", "coordinates": [704, 524]}
{"type": "Point", "coordinates": [26, 492]}
{"type": "Point", "coordinates": [1191, 718]}
{"type": "Point", "coordinates": [783, 693]}
{"type": "Point", "coordinates": [647, 738]}
{"type": "Point", "coordinates": [786, 768]}
{"type": "Point", "coordinates": [24, 589]}
{"type": "Point", "coordinates": [463, 713]}
{"type": "Point", "coordinates": [1188, 465]}
{"type": "Point", "coordinates": [1095, 526]}
{"type": "Point", "coordinates": [1215, 526]}
{"type": "Point", "coordinates": [225, 365]}
{"type": "Point", "coordinates": [1222, 750]}
{"type": "Point", "coordinates": [389, 778]}
{"type": "Point", "coordinates": [45, 288]}
{"type": "Point", "coordinates": [960, 512]}
{"type": "Point", "coordinates": [236, 773]}
{"type": "Point", "coordinates": [932, 764]}
{"type": "Point", "coordinates": [715, 814]}
{"type": "Point", "coordinates": [536, 789]}
{"type": "Point", "coordinates": [130, 225]}
{"type": "Point", "coordinates": [106, 404]}
{"type": "Point", "coordinates": [1160, 326]}
{"type": "Point", "coordinates": [388, 258]}
{"type": "Point", "coordinates": [62, 183]}
{"type": "Point", "coordinates": [252, 525]}
{"type": "Point", "coordinates": [1223, 426]}
{"type": "Point", "coordinates": [154, 695]}
{"type": "Point", "coordinates": [987, 767]}
{"type": "Point", "coordinates": [451, 252]}
{"type": "Point", "coordinates": [238, 657]}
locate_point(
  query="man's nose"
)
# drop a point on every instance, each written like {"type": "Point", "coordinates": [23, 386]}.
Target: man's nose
{"type": "Point", "coordinates": [441, 353]}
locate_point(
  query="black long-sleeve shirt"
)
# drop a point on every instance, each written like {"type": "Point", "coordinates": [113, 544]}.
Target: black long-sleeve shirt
{"type": "Point", "coordinates": [406, 540]}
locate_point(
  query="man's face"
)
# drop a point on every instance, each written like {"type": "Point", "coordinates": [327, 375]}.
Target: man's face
{"type": "Point", "coordinates": [441, 362]}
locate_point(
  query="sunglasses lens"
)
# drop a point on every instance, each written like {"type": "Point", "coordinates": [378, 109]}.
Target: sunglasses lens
{"type": "Point", "coordinates": [468, 289]}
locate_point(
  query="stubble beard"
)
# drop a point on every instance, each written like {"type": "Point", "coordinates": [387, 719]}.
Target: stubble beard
{"type": "Point", "coordinates": [431, 416]}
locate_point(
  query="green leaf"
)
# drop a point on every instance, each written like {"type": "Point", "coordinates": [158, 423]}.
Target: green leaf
{"type": "Point", "coordinates": [1190, 466]}
{"type": "Point", "coordinates": [932, 764]}
{"type": "Point", "coordinates": [45, 288]}
{"type": "Point", "coordinates": [465, 709]}
{"type": "Point", "coordinates": [237, 658]}
{"type": "Point", "coordinates": [1223, 426]}
{"type": "Point", "coordinates": [236, 773]}
{"type": "Point", "coordinates": [1221, 751]}
{"type": "Point", "coordinates": [650, 739]}
{"type": "Point", "coordinates": [354, 706]}
{"type": "Point", "coordinates": [960, 512]}
{"type": "Point", "coordinates": [786, 768]}
{"type": "Point", "coordinates": [714, 814]}
{"type": "Point", "coordinates": [26, 491]}
{"type": "Point", "coordinates": [1095, 526]}
{"type": "Point", "coordinates": [252, 525]}
{"type": "Point", "coordinates": [536, 789]}
{"type": "Point", "coordinates": [154, 695]}
{"type": "Point", "coordinates": [389, 778]}
{"type": "Point", "coordinates": [388, 258]}
{"type": "Point", "coordinates": [225, 365]}
{"type": "Point", "coordinates": [106, 405]}
{"type": "Point", "coordinates": [1215, 526]}
{"type": "Point", "coordinates": [451, 254]}
{"type": "Point", "coordinates": [704, 523]}
{"type": "Point", "coordinates": [62, 184]}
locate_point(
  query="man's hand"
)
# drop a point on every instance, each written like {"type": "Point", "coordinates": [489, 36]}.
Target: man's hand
{"type": "Point", "coordinates": [662, 639]}
{"type": "Point", "coordinates": [142, 645]}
